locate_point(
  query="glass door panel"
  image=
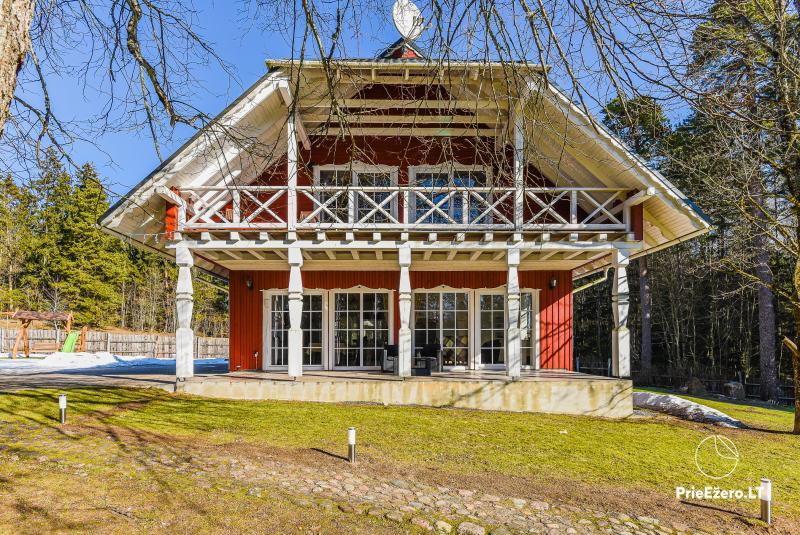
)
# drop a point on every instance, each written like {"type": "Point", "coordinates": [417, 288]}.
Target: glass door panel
{"type": "Point", "coordinates": [279, 330]}
{"type": "Point", "coordinates": [492, 329]}
{"type": "Point", "coordinates": [361, 328]}
{"type": "Point", "coordinates": [443, 318]}
{"type": "Point", "coordinates": [311, 323]}
{"type": "Point", "coordinates": [527, 329]}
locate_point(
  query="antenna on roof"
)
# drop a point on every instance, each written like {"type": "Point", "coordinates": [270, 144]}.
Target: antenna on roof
{"type": "Point", "coordinates": [408, 19]}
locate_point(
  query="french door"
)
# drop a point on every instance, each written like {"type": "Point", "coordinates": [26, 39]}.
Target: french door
{"type": "Point", "coordinates": [442, 317]}
{"type": "Point", "coordinates": [490, 329]}
{"type": "Point", "coordinates": [360, 328]}
{"type": "Point", "coordinates": [276, 308]}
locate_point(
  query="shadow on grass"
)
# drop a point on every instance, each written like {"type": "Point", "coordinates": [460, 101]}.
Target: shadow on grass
{"type": "Point", "coordinates": [330, 454]}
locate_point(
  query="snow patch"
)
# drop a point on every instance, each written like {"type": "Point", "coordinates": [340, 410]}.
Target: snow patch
{"type": "Point", "coordinates": [684, 409]}
{"type": "Point", "coordinates": [79, 361]}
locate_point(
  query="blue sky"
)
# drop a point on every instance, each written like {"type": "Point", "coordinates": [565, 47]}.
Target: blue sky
{"type": "Point", "coordinates": [123, 159]}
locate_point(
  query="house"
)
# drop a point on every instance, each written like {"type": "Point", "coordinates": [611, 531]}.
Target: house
{"type": "Point", "coordinates": [354, 204]}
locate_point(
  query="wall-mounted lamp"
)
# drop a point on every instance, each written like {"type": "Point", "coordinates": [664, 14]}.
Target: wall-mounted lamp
{"type": "Point", "coordinates": [249, 283]}
{"type": "Point", "coordinates": [553, 283]}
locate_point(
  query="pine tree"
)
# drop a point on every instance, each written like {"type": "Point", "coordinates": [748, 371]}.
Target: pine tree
{"type": "Point", "coordinates": [94, 263]}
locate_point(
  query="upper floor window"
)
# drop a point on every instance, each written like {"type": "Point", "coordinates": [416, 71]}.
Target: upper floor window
{"type": "Point", "coordinates": [363, 193]}
{"type": "Point", "coordinates": [444, 202]}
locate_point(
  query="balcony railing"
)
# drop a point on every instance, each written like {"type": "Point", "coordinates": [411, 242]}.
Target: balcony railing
{"type": "Point", "coordinates": [404, 208]}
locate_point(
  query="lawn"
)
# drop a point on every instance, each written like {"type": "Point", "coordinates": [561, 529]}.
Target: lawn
{"type": "Point", "coordinates": [568, 457]}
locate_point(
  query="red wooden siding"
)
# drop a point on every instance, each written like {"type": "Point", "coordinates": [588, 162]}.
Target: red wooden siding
{"type": "Point", "coordinates": [555, 316]}
{"type": "Point", "coordinates": [637, 221]}
{"type": "Point", "coordinates": [246, 314]}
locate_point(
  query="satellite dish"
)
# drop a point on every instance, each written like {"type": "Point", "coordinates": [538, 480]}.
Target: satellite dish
{"type": "Point", "coordinates": [407, 19]}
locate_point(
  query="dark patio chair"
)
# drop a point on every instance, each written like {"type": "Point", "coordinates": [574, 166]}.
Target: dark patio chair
{"type": "Point", "coordinates": [390, 356]}
{"type": "Point", "coordinates": [428, 359]}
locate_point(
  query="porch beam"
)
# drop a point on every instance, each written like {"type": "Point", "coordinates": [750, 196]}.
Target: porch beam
{"type": "Point", "coordinates": [394, 104]}
{"type": "Point", "coordinates": [404, 302]}
{"type": "Point", "coordinates": [443, 131]}
{"type": "Point", "coordinates": [620, 336]}
{"type": "Point", "coordinates": [389, 245]}
{"type": "Point", "coordinates": [295, 341]}
{"type": "Point", "coordinates": [184, 303]}
{"type": "Point", "coordinates": [514, 346]}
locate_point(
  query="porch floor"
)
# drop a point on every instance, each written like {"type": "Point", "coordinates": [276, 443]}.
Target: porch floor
{"type": "Point", "coordinates": [549, 391]}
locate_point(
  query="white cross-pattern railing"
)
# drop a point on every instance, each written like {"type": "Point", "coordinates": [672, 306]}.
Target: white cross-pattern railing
{"type": "Point", "coordinates": [590, 209]}
{"type": "Point", "coordinates": [233, 207]}
{"type": "Point", "coordinates": [406, 208]}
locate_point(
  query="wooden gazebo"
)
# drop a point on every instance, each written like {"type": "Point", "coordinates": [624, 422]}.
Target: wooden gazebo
{"type": "Point", "coordinates": [25, 318]}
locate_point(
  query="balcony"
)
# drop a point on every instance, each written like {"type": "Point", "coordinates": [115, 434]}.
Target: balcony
{"type": "Point", "coordinates": [404, 209]}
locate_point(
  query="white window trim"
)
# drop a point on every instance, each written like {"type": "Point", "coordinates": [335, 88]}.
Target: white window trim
{"type": "Point", "coordinates": [449, 168]}
{"type": "Point", "coordinates": [331, 356]}
{"type": "Point", "coordinates": [470, 332]}
{"type": "Point", "coordinates": [266, 329]}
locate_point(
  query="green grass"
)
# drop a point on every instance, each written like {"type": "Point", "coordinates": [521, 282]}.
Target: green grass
{"type": "Point", "coordinates": [651, 453]}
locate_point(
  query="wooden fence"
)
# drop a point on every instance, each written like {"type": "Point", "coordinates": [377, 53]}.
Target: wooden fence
{"type": "Point", "coordinates": [148, 345]}
{"type": "Point", "coordinates": [752, 387]}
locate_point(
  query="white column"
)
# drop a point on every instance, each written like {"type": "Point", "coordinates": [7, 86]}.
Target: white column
{"type": "Point", "coordinates": [295, 342]}
{"type": "Point", "coordinates": [184, 301]}
{"type": "Point", "coordinates": [291, 172]}
{"type": "Point", "coordinates": [620, 336]}
{"type": "Point", "coordinates": [519, 169]}
{"type": "Point", "coordinates": [514, 345]}
{"type": "Point", "coordinates": [404, 301]}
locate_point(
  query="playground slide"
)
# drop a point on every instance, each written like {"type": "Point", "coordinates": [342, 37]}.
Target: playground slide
{"type": "Point", "coordinates": [71, 340]}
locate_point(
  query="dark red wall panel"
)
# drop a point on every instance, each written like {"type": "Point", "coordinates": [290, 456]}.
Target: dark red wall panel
{"type": "Point", "coordinates": [555, 304]}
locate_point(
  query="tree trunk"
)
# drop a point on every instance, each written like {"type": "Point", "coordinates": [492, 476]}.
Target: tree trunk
{"type": "Point", "coordinates": [645, 303]}
{"type": "Point", "coordinates": [766, 299]}
{"type": "Point", "coordinates": [15, 26]}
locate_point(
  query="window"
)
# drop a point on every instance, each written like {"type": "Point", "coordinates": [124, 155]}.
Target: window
{"type": "Point", "coordinates": [443, 318]}
{"type": "Point", "coordinates": [449, 203]}
{"type": "Point", "coordinates": [311, 323]}
{"type": "Point", "coordinates": [361, 328]}
{"type": "Point", "coordinates": [367, 207]}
